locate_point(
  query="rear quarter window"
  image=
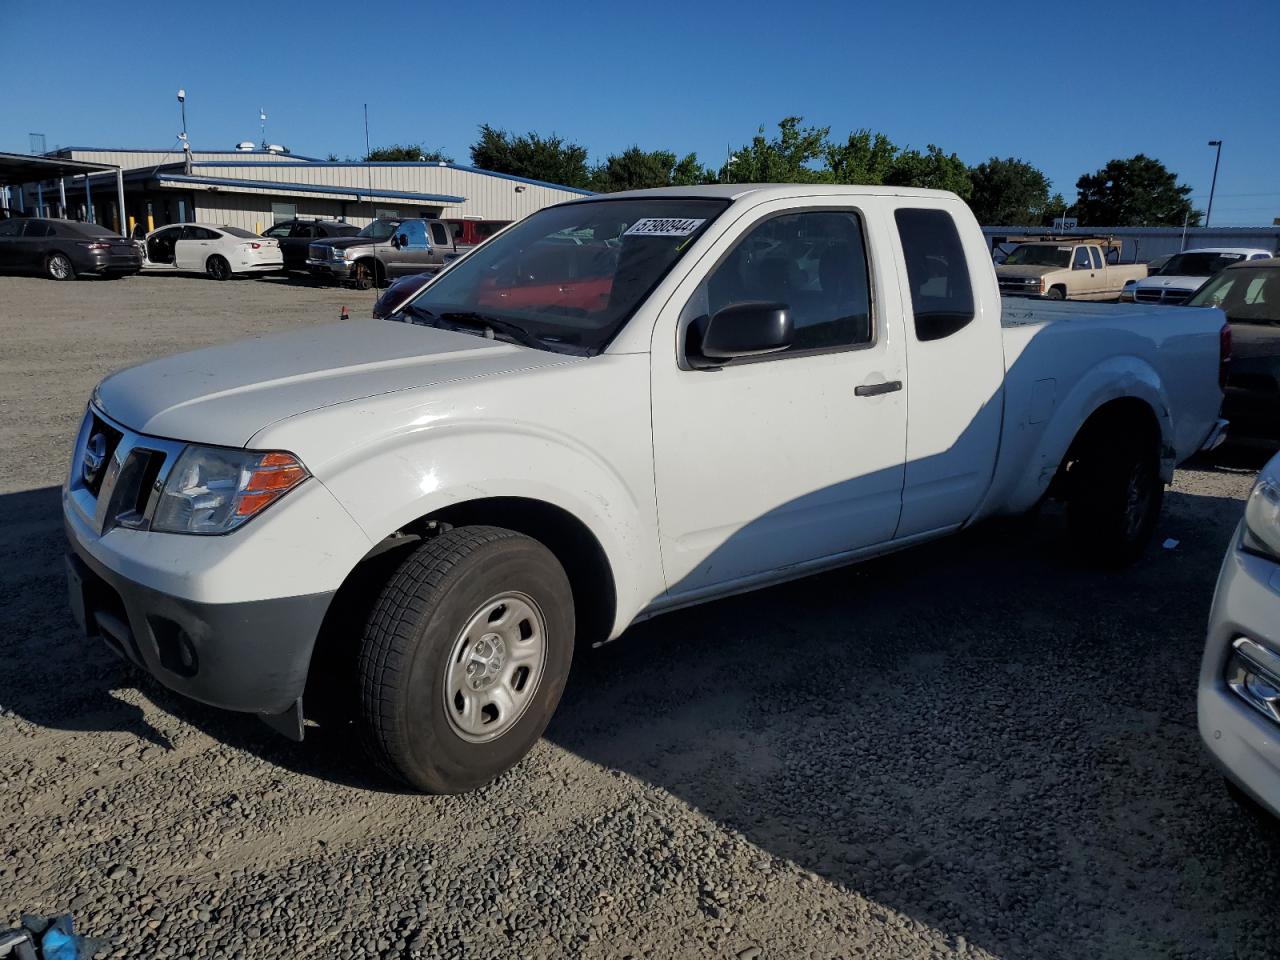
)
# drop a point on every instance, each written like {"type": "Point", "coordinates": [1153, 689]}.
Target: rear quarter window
{"type": "Point", "coordinates": [937, 272]}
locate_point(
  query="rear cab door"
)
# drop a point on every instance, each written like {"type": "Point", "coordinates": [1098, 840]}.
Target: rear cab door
{"type": "Point", "coordinates": [792, 458]}
{"type": "Point", "coordinates": [955, 354]}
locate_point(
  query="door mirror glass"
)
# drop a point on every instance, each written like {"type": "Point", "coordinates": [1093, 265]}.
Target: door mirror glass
{"type": "Point", "coordinates": [743, 330]}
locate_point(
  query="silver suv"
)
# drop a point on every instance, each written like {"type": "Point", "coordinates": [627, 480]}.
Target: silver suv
{"type": "Point", "coordinates": [386, 248]}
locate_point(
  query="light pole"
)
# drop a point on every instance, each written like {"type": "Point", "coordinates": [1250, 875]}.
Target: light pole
{"type": "Point", "coordinates": [1214, 183]}
{"type": "Point", "coordinates": [186, 144]}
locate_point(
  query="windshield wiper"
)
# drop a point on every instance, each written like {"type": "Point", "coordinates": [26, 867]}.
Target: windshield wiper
{"type": "Point", "coordinates": [491, 327]}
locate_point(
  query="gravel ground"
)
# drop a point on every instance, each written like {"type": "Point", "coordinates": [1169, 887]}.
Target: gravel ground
{"type": "Point", "coordinates": [828, 769]}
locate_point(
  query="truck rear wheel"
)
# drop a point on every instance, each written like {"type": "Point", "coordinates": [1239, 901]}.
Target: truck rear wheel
{"type": "Point", "coordinates": [464, 658]}
{"type": "Point", "coordinates": [1114, 497]}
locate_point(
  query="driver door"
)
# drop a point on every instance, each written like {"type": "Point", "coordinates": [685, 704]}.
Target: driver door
{"type": "Point", "coordinates": [769, 463]}
{"type": "Point", "coordinates": [412, 254]}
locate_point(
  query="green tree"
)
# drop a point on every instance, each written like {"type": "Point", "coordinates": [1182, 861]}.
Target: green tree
{"type": "Point", "coordinates": [636, 169]}
{"type": "Point", "coordinates": [531, 155]}
{"type": "Point", "coordinates": [865, 157]}
{"type": "Point", "coordinates": [932, 169]}
{"type": "Point", "coordinates": [1136, 192]}
{"type": "Point", "coordinates": [786, 158]}
{"type": "Point", "coordinates": [406, 152]}
{"type": "Point", "coordinates": [1009, 191]}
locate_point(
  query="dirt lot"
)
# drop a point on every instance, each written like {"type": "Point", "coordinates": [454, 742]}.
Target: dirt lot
{"type": "Point", "coordinates": [972, 749]}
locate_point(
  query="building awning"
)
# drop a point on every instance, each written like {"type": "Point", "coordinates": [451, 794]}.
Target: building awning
{"type": "Point", "coordinates": [20, 168]}
{"type": "Point", "coordinates": [324, 190]}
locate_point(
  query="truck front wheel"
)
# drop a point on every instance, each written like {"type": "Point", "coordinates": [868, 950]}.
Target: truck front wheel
{"type": "Point", "coordinates": [1056, 293]}
{"type": "Point", "coordinates": [1114, 497]}
{"type": "Point", "coordinates": [464, 658]}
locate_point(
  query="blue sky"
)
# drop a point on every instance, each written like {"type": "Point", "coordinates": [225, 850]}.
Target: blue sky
{"type": "Point", "coordinates": [1066, 86]}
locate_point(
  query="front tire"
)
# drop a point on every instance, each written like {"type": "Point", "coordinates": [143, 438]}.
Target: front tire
{"type": "Point", "coordinates": [464, 658]}
{"type": "Point", "coordinates": [217, 268]}
{"type": "Point", "coordinates": [361, 276]}
{"type": "Point", "coordinates": [1114, 497]}
{"type": "Point", "coordinates": [1056, 293]}
{"type": "Point", "coordinates": [59, 267]}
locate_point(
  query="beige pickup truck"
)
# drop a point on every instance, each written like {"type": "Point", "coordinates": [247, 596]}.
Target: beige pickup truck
{"type": "Point", "coordinates": [1066, 268]}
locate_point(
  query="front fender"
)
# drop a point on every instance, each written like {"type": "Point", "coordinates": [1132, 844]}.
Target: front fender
{"type": "Point", "coordinates": [388, 486]}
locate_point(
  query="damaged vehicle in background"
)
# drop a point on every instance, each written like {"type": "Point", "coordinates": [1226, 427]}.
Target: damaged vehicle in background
{"type": "Point", "coordinates": [433, 514]}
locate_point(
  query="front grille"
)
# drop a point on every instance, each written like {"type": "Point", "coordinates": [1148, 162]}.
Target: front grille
{"type": "Point", "coordinates": [116, 475]}
{"type": "Point", "coordinates": [318, 251]}
{"type": "Point", "coordinates": [1165, 295]}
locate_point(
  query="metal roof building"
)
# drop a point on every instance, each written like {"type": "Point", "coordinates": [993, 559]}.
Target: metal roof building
{"type": "Point", "coordinates": [253, 189]}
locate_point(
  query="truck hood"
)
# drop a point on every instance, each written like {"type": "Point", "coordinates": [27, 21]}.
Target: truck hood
{"type": "Point", "coordinates": [1175, 283]}
{"type": "Point", "coordinates": [224, 395]}
{"type": "Point", "coordinates": [1021, 270]}
{"type": "Point", "coordinates": [342, 243]}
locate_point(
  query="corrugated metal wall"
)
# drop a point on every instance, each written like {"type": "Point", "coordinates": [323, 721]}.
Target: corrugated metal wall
{"type": "Point", "coordinates": [1141, 244]}
{"type": "Point", "coordinates": [140, 159]}
{"type": "Point", "coordinates": [488, 196]}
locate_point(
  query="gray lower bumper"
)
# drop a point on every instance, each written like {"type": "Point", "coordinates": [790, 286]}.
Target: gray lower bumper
{"type": "Point", "coordinates": [331, 268]}
{"type": "Point", "coordinates": [251, 657]}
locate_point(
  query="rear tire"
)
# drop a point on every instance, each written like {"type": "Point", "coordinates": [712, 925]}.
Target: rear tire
{"type": "Point", "coordinates": [217, 268]}
{"type": "Point", "coordinates": [1114, 497]}
{"type": "Point", "coordinates": [58, 267]}
{"type": "Point", "coordinates": [464, 658]}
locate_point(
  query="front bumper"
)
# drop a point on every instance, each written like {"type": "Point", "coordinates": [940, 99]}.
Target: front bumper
{"type": "Point", "coordinates": [251, 656]}
{"type": "Point", "coordinates": [1243, 742]}
{"type": "Point", "coordinates": [329, 268]}
{"type": "Point", "coordinates": [228, 620]}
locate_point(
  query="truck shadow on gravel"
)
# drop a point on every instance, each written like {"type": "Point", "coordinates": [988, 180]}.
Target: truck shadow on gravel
{"type": "Point", "coordinates": [978, 734]}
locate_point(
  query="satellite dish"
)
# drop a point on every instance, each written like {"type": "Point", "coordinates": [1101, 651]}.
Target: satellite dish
{"type": "Point", "coordinates": [275, 148]}
{"type": "Point", "coordinates": [245, 145]}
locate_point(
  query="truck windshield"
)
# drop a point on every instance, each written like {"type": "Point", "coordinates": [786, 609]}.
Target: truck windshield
{"type": "Point", "coordinates": [1203, 264]}
{"type": "Point", "coordinates": [569, 277]}
{"type": "Point", "coordinates": [1245, 294]}
{"type": "Point", "coordinates": [379, 230]}
{"type": "Point", "coordinates": [1039, 255]}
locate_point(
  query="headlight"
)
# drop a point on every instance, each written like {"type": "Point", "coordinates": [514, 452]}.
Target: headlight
{"type": "Point", "coordinates": [337, 253]}
{"type": "Point", "coordinates": [1262, 519]}
{"type": "Point", "coordinates": [213, 490]}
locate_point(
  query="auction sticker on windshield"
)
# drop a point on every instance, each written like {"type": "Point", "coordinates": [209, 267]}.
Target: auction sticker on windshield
{"type": "Point", "coordinates": [663, 227]}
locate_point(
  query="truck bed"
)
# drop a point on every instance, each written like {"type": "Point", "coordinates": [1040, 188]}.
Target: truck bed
{"type": "Point", "coordinates": [1064, 359]}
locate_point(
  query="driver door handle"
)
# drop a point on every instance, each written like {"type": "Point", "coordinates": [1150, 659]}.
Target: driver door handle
{"type": "Point", "coordinates": [876, 389]}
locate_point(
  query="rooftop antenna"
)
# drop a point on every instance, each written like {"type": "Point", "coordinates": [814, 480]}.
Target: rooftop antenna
{"type": "Point", "coordinates": [262, 122]}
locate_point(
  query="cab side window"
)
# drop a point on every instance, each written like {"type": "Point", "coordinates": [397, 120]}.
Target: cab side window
{"type": "Point", "coordinates": [937, 272]}
{"type": "Point", "coordinates": [815, 263]}
{"type": "Point", "coordinates": [439, 235]}
{"type": "Point", "coordinates": [1082, 261]}
{"type": "Point", "coordinates": [279, 230]}
{"type": "Point", "coordinates": [1097, 258]}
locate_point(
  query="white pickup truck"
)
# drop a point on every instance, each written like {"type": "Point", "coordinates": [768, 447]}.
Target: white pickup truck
{"type": "Point", "coordinates": [614, 408]}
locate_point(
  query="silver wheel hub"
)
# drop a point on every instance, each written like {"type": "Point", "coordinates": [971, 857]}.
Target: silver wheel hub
{"type": "Point", "coordinates": [495, 667]}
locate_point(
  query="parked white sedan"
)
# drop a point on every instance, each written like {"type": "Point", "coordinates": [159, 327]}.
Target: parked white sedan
{"type": "Point", "coordinates": [1239, 697]}
{"type": "Point", "coordinates": [220, 252]}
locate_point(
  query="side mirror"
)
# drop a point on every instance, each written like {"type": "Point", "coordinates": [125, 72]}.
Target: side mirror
{"type": "Point", "coordinates": [744, 330]}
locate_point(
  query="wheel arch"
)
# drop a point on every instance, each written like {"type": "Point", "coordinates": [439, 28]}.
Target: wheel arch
{"type": "Point", "coordinates": [569, 538]}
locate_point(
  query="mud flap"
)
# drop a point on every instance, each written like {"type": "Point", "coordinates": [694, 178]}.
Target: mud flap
{"type": "Point", "coordinates": [289, 723]}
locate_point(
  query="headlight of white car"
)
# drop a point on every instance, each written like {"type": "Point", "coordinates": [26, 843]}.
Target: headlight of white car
{"type": "Point", "coordinates": [1262, 518]}
{"type": "Point", "coordinates": [213, 490]}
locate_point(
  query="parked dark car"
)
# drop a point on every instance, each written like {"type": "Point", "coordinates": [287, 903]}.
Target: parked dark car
{"type": "Point", "coordinates": [296, 235]}
{"type": "Point", "coordinates": [66, 249]}
{"type": "Point", "coordinates": [395, 296]}
{"type": "Point", "coordinates": [1249, 294]}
